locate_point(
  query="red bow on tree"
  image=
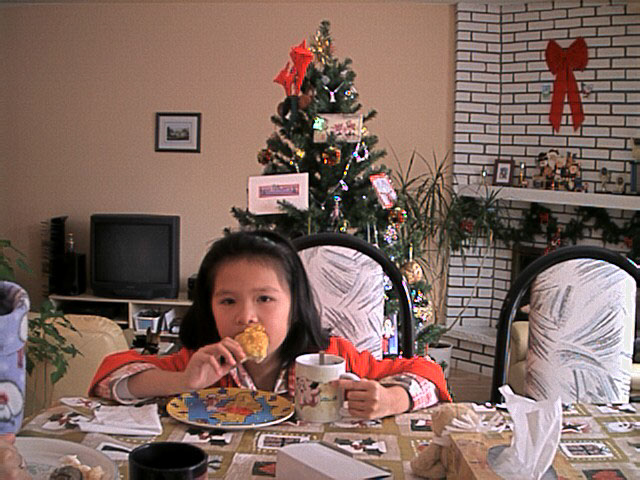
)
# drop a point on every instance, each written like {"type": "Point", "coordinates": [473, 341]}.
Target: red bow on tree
{"type": "Point", "coordinates": [562, 63]}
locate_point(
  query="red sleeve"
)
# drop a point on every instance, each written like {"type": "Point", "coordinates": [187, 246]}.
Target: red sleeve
{"type": "Point", "coordinates": [175, 362]}
{"type": "Point", "coordinates": [365, 365]}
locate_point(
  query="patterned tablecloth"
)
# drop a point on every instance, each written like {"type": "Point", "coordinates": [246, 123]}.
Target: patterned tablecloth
{"type": "Point", "coordinates": [600, 442]}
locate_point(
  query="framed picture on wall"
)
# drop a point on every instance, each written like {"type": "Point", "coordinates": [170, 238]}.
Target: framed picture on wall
{"type": "Point", "coordinates": [178, 132]}
{"type": "Point", "coordinates": [503, 172]}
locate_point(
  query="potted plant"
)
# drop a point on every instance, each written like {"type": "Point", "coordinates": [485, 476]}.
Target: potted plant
{"type": "Point", "coordinates": [45, 343]}
{"type": "Point", "coordinates": [438, 222]}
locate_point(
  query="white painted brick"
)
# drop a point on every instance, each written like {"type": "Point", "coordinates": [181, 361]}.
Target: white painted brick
{"type": "Point", "coordinates": [485, 97]}
{"type": "Point", "coordinates": [514, 67]}
{"type": "Point", "coordinates": [584, 32]}
{"type": "Point", "coordinates": [555, 34]}
{"type": "Point", "coordinates": [598, 42]}
{"type": "Point", "coordinates": [553, 141]}
{"type": "Point", "coordinates": [607, 97]}
{"type": "Point", "coordinates": [623, 132]}
{"type": "Point", "coordinates": [463, 96]}
{"type": "Point", "coordinates": [610, 52]}
{"type": "Point", "coordinates": [470, 107]}
{"type": "Point", "coordinates": [526, 17]}
{"type": "Point", "coordinates": [484, 138]}
{"type": "Point", "coordinates": [514, 8]}
{"type": "Point", "coordinates": [600, 63]}
{"type": "Point", "coordinates": [472, 26]}
{"type": "Point", "coordinates": [596, 131]}
{"type": "Point", "coordinates": [513, 150]}
{"type": "Point", "coordinates": [470, 127]}
{"type": "Point", "coordinates": [567, 23]}
{"type": "Point", "coordinates": [595, 153]}
{"type": "Point", "coordinates": [542, 25]}
{"type": "Point", "coordinates": [526, 97]}
{"type": "Point", "coordinates": [631, 40]}
{"type": "Point", "coordinates": [514, 88]}
{"type": "Point", "coordinates": [514, 27]}
{"type": "Point", "coordinates": [552, 14]}
{"type": "Point", "coordinates": [626, 109]}
{"type": "Point", "coordinates": [541, 45]}
{"type": "Point", "coordinates": [633, 29]}
{"type": "Point", "coordinates": [541, 6]}
{"type": "Point", "coordinates": [597, 108]}
{"type": "Point", "coordinates": [527, 36]}
{"type": "Point", "coordinates": [526, 119]}
{"type": "Point", "coordinates": [610, 121]}
{"type": "Point", "coordinates": [470, 148]}
{"type": "Point", "coordinates": [463, 76]}
{"type": "Point", "coordinates": [611, 31]}
{"type": "Point", "coordinates": [461, 138]}
{"type": "Point", "coordinates": [610, 74]}
{"type": "Point", "coordinates": [471, 66]}
{"type": "Point", "coordinates": [526, 77]}
{"type": "Point", "coordinates": [525, 140]}
{"type": "Point", "coordinates": [472, 46]}
{"type": "Point", "coordinates": [528, 56]}
{"type": "Point", "coordinates": [461, 117]}
{"type": "Point", "coordinates": [463, 35]}
{"type": "Point", "coordinates": [633, 74]}
{"type": "Point", "coordinates": [485, 57]}
{"type": "Point", "coordinates": [485, 37]}
{"type": "Point", "coordinates": [596, 21]}
{"type": "Point", "coordinates": [626, 63]}
{"type": "Point", "coordinates": [462, 56]}
{"type": "Point", "coordinates": [485, 17]}
{"type": "Point", "coordinates": [477, 118]}
{"type": "Point", "coordinates": [493, 67]}
{"type": "Point", "coordinates": [581, 12]}
{"type": "Point", "coordinates": [485, 77]}
{"type": "Point", "coordinates": [513, 129]}
{"type": "Point", "coordinates": [582, 142]}
{"type": "Point", "coordinates": [626, 20]}
{"type": "Point", "coordinates": [514, 47]}
{"type": "Point", "coordinates": [471, 7]}
{"type": "Point", "coordinates": [514, 109]}
{"type": "Point", "coordinates": [540, 108]}
{"type": "Point", "coordinates": [482, 359]}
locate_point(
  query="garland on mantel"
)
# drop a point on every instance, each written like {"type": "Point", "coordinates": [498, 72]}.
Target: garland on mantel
{"type": "Point", "coordinates": [540, 220]}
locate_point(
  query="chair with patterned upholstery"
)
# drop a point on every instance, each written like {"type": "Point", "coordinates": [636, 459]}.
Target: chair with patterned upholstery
{"type": "Point", "coordinates": [578, 341]}
{"type": "Point", "coordinates": [350, 279]}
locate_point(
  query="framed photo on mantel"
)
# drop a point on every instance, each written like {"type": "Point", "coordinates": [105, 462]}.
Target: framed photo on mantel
{"type": "Point", "coordinates": [503, 172]}
{"type": "Point", "coordinates": [178, 132]}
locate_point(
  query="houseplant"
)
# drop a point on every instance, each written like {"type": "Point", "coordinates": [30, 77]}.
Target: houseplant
{"type": "Point", "coordinates": [45, 343]}
{"type": "Point", "coordinates": [438, 222]}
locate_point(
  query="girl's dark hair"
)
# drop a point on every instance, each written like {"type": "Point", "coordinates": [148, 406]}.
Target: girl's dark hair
{"type": "Point", "coordinates": [198, 328]}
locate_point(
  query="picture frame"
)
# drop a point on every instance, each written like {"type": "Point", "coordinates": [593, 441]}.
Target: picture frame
{"type": "Point", "coordinates": [178, 132]}
{"type": "Point", "coordinates": [343, 127]}
{"type": "Point", "coordinates": [265, 191]}
{"type": "Point", "coordinates": [503, 172]}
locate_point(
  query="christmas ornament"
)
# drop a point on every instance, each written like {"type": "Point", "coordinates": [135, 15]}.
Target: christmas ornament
{"type": "Point", "coordinates": [390, 234]}
{"type": "Point", "coordinates": [344, 226]}
{"type": "Point", "coordinates": [300, 153]}
{"type": "Point", "coordinates": [467, 225]}
{"type": "Point", "coordinates": [361, 152]}
{"type": "Point", "coordinates": [562, 63]}
{"type": "Point", "coordinates": [286, 78]}
{"type": "Point", "coordinates": [265, 156]}
{"type": "Point", "coordinates": [304, 101]}
{"type": "Point", "coordinates": [332, 93]}
{"type": "Point", "coordinates": [335, 213]}
{"type": "Point", "coordinates": [397, 216]}
{"type": "Point", "coordinates": [350, 93]}
{"type": "Point", "coordinates": [412, 271]}
{"type": "Point", "coordinates": [319, 124]}
{"type": "Point", "coordinates": [321, 47]}
{"type": "Point", "coordinates": [332, 156]}
{"type": "Point", "coordinates": [384, 190]}
{"type": "Point", "coordinates": [301, 57]}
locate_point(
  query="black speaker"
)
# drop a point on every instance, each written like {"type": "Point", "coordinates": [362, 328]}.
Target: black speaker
{"type": "Point", "coordinates": [74, 279]}
{"type": "Point", "coordinates": [191, 285]}
{"type": "Point", "coordinates": [55, 253]}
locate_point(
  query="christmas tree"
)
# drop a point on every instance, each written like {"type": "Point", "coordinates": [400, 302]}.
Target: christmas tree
{"type": "Point", "coordinates": [321, 132]}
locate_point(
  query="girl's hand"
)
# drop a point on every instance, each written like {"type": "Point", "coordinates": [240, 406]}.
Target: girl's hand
{"type": "Point", "coordinates": [212, 362]}
{"type": "Point", "coordinates": [10, 460]}
{"type": "Point", "coordinates": [368, 399]}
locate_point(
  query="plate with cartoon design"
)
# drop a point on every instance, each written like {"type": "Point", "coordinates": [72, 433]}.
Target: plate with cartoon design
{"type": "Point", "coordinates": [230, 408]}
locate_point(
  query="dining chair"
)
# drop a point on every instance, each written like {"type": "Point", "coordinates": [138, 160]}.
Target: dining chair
{"type": "Point", "coordinates": [580, 329]}
{"type": "Point", "coordinates": [351, 279]}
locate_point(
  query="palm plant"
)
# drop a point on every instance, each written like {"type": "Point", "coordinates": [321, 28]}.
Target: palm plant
{"type": "Point", "coordinates": [439, 221]}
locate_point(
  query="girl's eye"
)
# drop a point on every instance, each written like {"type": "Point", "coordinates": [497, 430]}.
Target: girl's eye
{"type": "Point", "coordinates": [264, 298]}
{"type": "Point", "coordinates": [227, 301]}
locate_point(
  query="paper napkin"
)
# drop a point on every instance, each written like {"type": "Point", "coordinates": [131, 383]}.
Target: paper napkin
{"type": "Point", "coordinates": [124, 420]}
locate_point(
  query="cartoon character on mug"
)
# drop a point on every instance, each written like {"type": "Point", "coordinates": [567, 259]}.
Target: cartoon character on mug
{"type": "Point", "coordinates": [307, 392]}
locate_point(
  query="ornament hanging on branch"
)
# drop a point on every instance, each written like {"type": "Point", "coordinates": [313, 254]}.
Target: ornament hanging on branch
{"type": "Point", "coordinates": [397, 216]}
{"type": "Point", "coordinates": [321, 47]}
{"type": "Point", "coordinates": [361, 152]}
{"type": "Point", "coordinates": [412, 271]}
{"type": "Point", "coordinates": [332, 156]}
{"type": "Point", "coordinates": [265, 156]}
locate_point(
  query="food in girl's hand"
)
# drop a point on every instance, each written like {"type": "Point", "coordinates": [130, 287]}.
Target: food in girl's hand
{"type": "Point", "coordinates": [72, 469]}
{"type": "Point", "coordinates": [254, 342]}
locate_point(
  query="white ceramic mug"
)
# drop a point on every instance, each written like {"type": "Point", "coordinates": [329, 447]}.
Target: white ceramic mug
{"type": "Point", "coordinates": [316, 400]}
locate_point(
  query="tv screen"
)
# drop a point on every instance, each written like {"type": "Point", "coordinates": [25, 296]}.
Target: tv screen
{"type": "Point", "coordinates": [135, 255]}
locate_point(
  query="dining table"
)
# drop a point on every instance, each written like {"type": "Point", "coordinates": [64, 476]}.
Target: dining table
{"type": "Point", "coordinates": [598, 441]}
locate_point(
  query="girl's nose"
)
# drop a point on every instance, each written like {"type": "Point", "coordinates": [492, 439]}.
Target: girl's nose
{"type": "Point", "coordinates": [247, 315]}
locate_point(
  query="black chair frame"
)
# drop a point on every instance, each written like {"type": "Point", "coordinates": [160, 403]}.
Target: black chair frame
{"type": "Point", "coordinates": [406, 320]}
{"type": "Point", "coordinates": [519, 288]}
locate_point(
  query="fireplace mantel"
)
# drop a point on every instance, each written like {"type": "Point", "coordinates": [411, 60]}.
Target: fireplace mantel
{"type": "Point", "coordinates": [532, 195]}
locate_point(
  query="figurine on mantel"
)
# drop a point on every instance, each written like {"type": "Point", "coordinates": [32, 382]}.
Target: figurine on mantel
{"type": "Point", "coordinates": [558, 173]}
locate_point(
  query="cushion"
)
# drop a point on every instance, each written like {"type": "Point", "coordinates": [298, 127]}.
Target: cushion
{"type": "Point", "coordinates": [581, 333]}
{"type": "Point", "coordinates": [348, 287]}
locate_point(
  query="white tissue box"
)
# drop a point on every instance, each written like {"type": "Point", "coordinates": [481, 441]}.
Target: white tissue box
{"type": "Point", "coordinates": [467, 459]}
{"type": "Point", "coordinates": [321, 461]}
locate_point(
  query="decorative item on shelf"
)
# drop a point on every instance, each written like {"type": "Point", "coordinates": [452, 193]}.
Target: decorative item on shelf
{"type": "Point", "coordinates": [635, 178]}
{"type": "Point", "coordinates": [522, 178]}
{"type": "Point", "coordinates": [503, 172]}
{"type": "Point", "coordinates": [620, 185]}
{"type": "Point", "coordinates": [605, 178]}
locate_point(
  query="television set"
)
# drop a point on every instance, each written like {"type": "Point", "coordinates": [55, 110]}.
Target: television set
{"type": "Point", "coordinates": [135, 255]}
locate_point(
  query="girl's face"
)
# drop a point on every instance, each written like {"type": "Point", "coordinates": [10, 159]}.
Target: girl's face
{"type": "Point", "coordinates": [250, 290]}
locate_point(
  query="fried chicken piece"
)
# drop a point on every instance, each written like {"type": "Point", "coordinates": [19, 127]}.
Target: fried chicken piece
{"type": "Point", "coordinates": [254, 342]}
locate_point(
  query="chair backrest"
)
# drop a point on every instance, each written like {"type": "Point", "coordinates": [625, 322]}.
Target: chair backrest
{"type": "Point", "coordinates": [581, 326]}
{"type": "Point", "coordinates": [347, 275]}
{"type": "Point", "coordinates": [96, 337]}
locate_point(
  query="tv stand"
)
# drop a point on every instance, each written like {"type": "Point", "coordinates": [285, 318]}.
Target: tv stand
{"type": "Point", "coordinates": [121, 310]}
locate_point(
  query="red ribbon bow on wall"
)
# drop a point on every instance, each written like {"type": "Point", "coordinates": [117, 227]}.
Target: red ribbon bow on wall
{"type": "Point", "coordinates": [562, 62]}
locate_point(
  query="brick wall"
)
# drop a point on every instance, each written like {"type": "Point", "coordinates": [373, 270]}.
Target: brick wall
{"type": "Point", "coordinates": [501, 111]}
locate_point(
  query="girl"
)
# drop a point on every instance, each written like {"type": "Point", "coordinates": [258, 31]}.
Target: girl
{"type": "Point", "coordinates": [257, 277]}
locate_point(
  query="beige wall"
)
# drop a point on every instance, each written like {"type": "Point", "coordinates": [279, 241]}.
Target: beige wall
{"type": "Point", "coordinates": [80, 86]}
